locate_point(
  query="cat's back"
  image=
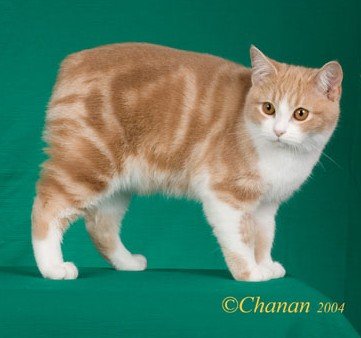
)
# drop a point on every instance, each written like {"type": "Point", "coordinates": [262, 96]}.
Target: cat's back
{"type": "Point", "coordinates": [147, 89]}
{"type": "Point", "coordinates": [116, 58]}
{"type": "Point", "coordinates": [141, 102]}
{"type": "Point", "coordinates": [146, 77]}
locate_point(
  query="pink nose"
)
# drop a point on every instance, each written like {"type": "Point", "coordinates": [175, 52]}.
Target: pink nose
{"type": "Point", "coordinates": [279, 132]}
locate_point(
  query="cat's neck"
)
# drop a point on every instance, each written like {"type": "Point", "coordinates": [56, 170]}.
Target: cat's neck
{"type": "Point", "coordinates": [283, 169]}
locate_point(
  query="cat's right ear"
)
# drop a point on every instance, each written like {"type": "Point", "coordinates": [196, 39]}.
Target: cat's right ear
{"type": "Point", "coordinates": [262, 66]}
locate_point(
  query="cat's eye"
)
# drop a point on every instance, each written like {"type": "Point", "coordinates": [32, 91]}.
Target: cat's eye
{"type": "Point", "coordinates": [268, 108]}
{"type": "Point", "coordinates": [300, 114]}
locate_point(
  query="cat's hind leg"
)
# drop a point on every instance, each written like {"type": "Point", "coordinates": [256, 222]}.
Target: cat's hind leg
{"type": "Point", "coordinates": [51, 214]}
{"type": "Point", "coordinates": [64, 192]}
{"type": "Point", "coordinates": [103, 225]}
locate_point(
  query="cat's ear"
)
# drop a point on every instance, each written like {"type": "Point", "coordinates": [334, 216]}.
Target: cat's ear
{"type": "Point", "coordinates": [328, 80]}
{"type": "Point", "coordinates": [262, 66]}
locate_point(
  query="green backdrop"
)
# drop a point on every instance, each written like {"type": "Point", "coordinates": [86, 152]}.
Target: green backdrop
{"type": "Point", "coordinates": [318, 236]}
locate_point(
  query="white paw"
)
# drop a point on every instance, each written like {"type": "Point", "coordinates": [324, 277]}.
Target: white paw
{"type": "Point", "coordinates": [276, 269]}
{"type": "Point", "coordinates": [259, 274]}
{"type": "Point", "coordinates": [66, 270]}
{"type": "Point", "coordinates": [131, 263]}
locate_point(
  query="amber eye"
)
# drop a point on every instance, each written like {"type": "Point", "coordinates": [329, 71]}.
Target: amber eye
{"type": "Point", "coordinates": [268, 108]}
{"type": "Point", "coordinates": [300, 114]}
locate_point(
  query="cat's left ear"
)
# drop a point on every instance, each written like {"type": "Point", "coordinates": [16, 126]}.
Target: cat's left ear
{"type": "Point", "coordinates": [328, 80]}
{"type": "Point", "coordinates": [262, 66]}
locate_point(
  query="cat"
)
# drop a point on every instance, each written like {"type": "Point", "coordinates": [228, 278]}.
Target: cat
{"type": "Point", "coordinates": [137, 118]}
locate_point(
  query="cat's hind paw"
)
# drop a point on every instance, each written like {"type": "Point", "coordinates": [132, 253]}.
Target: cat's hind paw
{"type": "Point", "coordinates": [66, 270]}
{"type": "Point", "coordinates": [132, 263]}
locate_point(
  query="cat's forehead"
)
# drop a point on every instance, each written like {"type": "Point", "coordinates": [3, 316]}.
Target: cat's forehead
{"type": "Point", "coordinates": [293, 84]}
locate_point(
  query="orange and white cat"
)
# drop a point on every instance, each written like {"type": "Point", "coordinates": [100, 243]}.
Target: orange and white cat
{"type": "Point", "coordinates": [137, 118]}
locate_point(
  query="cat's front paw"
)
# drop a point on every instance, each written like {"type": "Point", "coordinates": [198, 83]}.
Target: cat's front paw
{"type": "Point", "coordinates": [276, 269]}
{"type": "Point", "coordinates": [66, 270]}
{"type": "Point", "coordinates": [259, 274]}
{"type": "Point", "coordinates": [255, 274]}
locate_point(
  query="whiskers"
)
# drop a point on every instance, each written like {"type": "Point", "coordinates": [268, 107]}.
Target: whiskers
{"type": "Point", "coordinates": [323, 153]}
{"type": "Point", "coordinates": [332, 160]}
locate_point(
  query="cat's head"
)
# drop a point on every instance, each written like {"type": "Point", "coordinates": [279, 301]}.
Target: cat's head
{"type": "Point", "coordinates": [290, 106]}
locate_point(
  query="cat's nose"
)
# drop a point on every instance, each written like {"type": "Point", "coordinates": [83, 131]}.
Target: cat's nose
{"type": "Point", "coordinates": [279, 132]}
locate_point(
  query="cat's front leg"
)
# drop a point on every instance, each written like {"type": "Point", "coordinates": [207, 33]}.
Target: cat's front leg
{"type": "Point", "coordinates": [234, 228]}
{"type": "Point", "coordinates": [264, 217]}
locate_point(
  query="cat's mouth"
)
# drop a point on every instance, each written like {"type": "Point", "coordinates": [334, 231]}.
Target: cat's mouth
{"type": "Point", "coordinates": [284, 143]}
{"type": "Point", "coordinates": [279, 143]}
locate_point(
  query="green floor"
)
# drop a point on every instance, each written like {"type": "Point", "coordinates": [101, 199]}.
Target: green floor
{"type": "Point", "coordinates": [155, 303]}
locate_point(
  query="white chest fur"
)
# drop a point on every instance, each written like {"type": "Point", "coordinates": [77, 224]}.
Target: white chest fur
{"type": "Point", "coordinates": [283, 171]}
